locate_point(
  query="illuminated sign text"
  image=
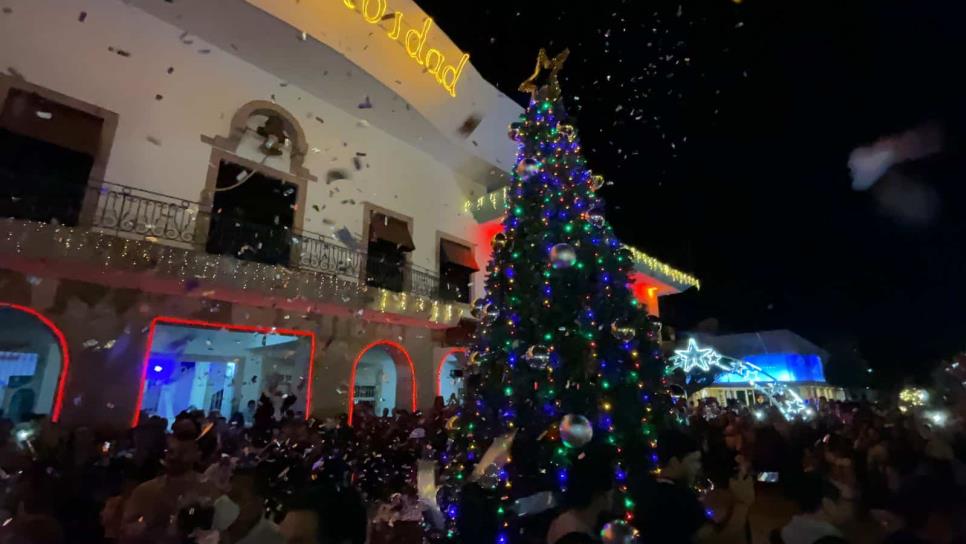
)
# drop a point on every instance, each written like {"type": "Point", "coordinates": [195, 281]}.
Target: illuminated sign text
{"type": "Point", "coordinates": [414, 41]}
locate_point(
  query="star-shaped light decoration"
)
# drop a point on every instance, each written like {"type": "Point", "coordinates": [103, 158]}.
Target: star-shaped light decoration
{"type": "Point", "coordinates": [714, 358]}
{"type": "Point", "coordinates": [544, 62]}
{"type": "Point", "coordinates": [695, 357]}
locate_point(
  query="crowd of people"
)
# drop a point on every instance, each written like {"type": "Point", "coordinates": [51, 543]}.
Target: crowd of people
{"type": "Point", "coordinates": [852, 473]}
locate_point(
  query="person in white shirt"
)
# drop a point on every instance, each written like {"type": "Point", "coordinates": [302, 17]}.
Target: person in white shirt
{"type": "Point", "coordinates": [249, 413]}
{"type": "Point", "coordinates": [825, 506]}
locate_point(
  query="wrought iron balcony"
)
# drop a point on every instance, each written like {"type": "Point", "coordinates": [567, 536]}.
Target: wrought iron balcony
{"type": "Point", "coordinates": [146, 215]}
{"type": "Point", "coordinates": [139, 213]}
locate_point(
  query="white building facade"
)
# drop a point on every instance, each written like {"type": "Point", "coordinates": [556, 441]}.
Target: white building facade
{"type": "Point", "coordinates": [207, 202]}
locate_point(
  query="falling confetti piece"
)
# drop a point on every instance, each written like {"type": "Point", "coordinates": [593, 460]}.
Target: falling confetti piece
{"type": "Point", "coordinates": [90, 343]}
{"type": "Point", "coordinates": [469, 125]}
{"type": "Point", "coordinates": [366, 104]}
{"type": "Point", "coordinates": [44, 115]}
{"type": "Point", "coordinates": [155, 141]}
{"type": "Point", "coordinates": [82, 17]}
{"type": "Point", "coordinates": [335, 175]}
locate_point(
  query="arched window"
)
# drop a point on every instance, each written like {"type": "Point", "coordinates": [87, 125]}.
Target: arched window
{"type": "Point", "coordinates": [256, 185]}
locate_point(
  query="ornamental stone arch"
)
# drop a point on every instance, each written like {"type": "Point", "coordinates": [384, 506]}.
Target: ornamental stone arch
{"type": "Point", "coordinates": [239, 146]}
{"type": "Point", "coordinates": [239, 127]}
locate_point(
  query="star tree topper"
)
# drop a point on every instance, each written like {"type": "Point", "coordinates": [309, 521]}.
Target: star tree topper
{"type": "Point", "coordinates": [544, 62]}
{"type": "Point", "coordinates": [695, 357]}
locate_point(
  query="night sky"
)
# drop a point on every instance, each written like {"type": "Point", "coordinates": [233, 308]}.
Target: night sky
{"type": "Point", "coordinates": [726, 129]}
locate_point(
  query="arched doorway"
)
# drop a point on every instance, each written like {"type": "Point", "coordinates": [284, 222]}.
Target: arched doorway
{"type": "Point", "coordinates": [226, 367]}
{"type": "Point", "coordinates": [383, 377]}
{"type": "Point", "coordinates": [33, 363]}
{"type": "Point", "coordinates": [449, 374]}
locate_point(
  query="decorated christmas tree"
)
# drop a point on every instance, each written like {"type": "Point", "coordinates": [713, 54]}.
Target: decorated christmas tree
{"type": "Point", "coordinates": [564, 358]}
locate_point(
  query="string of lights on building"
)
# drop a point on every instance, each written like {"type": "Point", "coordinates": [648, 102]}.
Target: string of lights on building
{"type": "Point", "coordinates": [497, 202]}
{"type": "Point", "coordinates": [111, 253]}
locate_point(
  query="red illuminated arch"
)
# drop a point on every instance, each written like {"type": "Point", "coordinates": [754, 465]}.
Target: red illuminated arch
{"type": "Point", "coordinates": [64, 356]}
{"type": "Point", "coordinates": [396, 351]}
{"type": "Point", "coordinates": [228, 326]}
{"type": "Point", "coordinates": [439, 367]}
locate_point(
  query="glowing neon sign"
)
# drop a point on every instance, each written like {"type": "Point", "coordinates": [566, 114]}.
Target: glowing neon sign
{"type": "Point", "coordinates": [414, 40]}
{"type": "Point", "coordinates": [704, 359]}
{"type": "Point", "coordinates": [695, 357]}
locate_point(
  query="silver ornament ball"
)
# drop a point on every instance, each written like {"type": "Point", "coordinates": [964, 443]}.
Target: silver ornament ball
{"type": "Point", "coordinates": [596, 182]}
{"type": "Point", "coordinates": [478, 306]}
{"type": "Point", "coordinates": [576, 431]}
{"type": "Point", "coordinates": [563, 255]}
{"type": "Point", "coordinates": [528, 167]}
{"type": "Point", "coordinates": [490, 314]}
{"type": "Point", "coordinates": [490, 477]}
{"type": "Point", "coordinates": [538, 356]}
{"type": "Point", "coordinates": [595, 218]}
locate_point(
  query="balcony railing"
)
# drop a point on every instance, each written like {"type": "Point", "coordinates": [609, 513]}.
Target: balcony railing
{"type": "Point", "coordinates": [141, 214]}
{"type": "Point", "coordinates": [315, 252]}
